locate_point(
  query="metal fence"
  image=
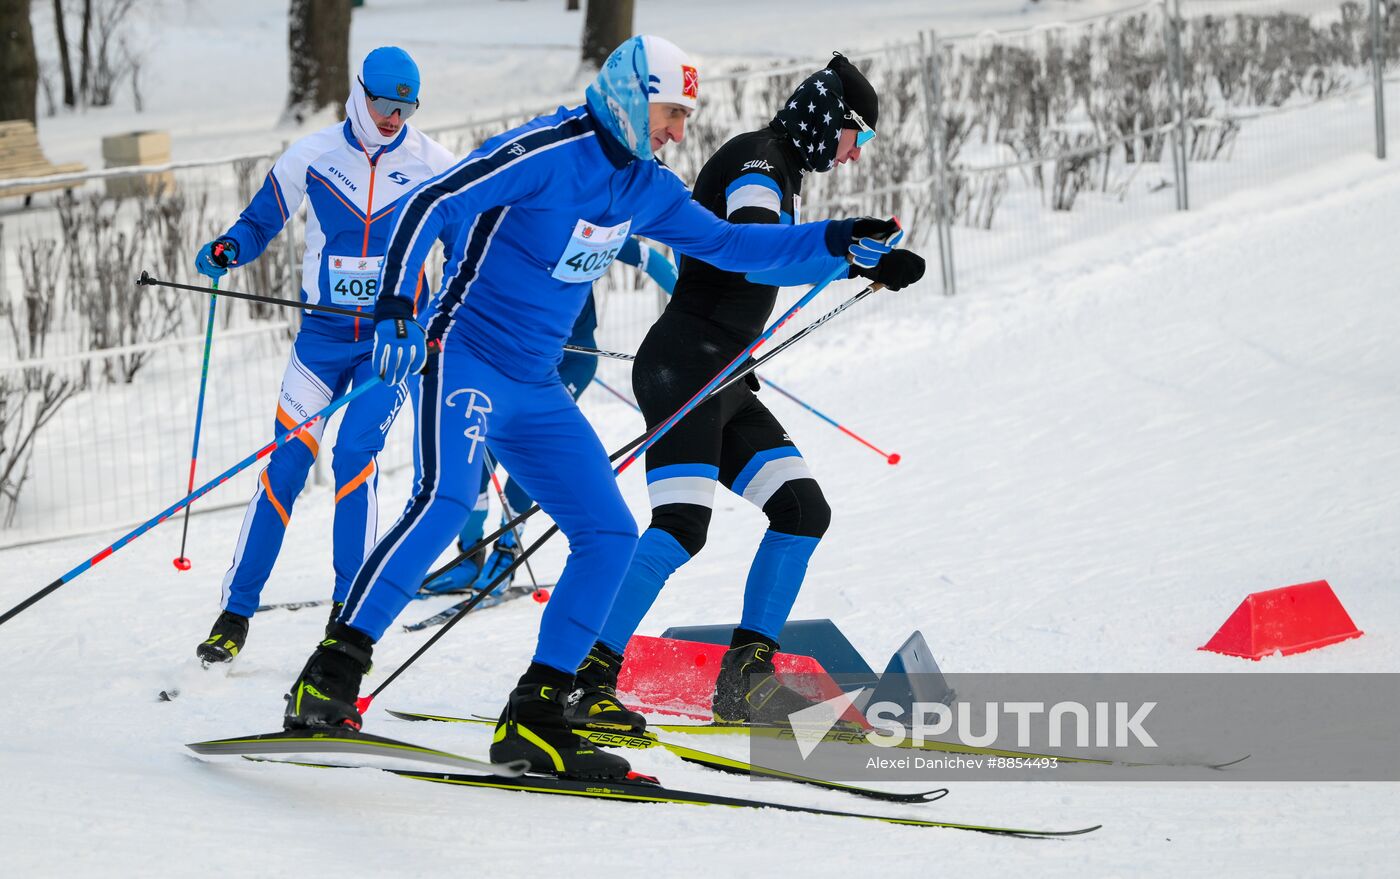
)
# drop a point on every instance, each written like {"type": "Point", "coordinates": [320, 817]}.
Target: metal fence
{"type": "Point", "coordinates": [997, 148]}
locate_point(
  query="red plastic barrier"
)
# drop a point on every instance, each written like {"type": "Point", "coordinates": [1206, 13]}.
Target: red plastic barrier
{"type": "Point", "coordinates": [669, 676]}
{"type": "Point", "coordinates": [1288, 620]}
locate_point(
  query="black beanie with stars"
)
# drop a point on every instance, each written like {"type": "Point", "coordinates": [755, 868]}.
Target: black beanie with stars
{"type": "Point", "coordinates": [812, 119]}
{"type": "Point", "coordinates": [857, 90]}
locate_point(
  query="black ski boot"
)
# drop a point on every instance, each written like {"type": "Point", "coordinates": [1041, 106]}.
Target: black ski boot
{"type": "Point", "coordinates": [532, 728]}
{"type": "Point", "coordinates": [593, 705]}
{"type": "Point", "coordinates": [324, 694]}
{"type": "Point", "coordinates": [225, 639]}
{"type": "Point", "coordinates": [747, 690]}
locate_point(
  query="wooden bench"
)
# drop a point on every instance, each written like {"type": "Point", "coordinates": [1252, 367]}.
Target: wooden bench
{"type": "Point", "coordinates": [20, 157]}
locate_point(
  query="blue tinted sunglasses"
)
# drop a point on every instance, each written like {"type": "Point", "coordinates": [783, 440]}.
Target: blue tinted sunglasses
{"type": "Point", "coordinates": [864, 134]}
{"type": "Point", "coordinates": [389, 106]}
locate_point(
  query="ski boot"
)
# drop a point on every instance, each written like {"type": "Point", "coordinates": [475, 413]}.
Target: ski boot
{"type": "Point", "coordinates": [747, 690]}
{"type": "Point", "coordinates": [460, 578]}
{"type": "Point", "coordinates": [324, 694]}
{"type": "Point", "coordinates": [532, 728]}
{"type": "Point", "coordinates": [593, 705]}
{"type": "Point", "coordinates": [503, 555]}
{"type": "Point", "coordinates": [225, 639]}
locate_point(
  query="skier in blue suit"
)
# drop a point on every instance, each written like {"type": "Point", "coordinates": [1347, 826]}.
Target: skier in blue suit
{"type": "Point", "coordinates": [543, 209]}
{"type": "Point", "coordinates": [351, 175]}
{"type": "Point", "coordinates": [576, 371]}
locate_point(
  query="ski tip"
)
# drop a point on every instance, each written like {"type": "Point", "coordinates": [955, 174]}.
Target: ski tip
{"type": "Point", "coordinates": [168, 695]}
{"type": "Point", "coordinates": [931, 795]}
{"type": "Point", "coordinates": [1229, 763]}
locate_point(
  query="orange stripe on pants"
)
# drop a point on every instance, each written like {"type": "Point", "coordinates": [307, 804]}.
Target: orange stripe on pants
{"type": "Point", "coordinates": [356, 482]}
{"type": "Point", "coordinates": [288, 422]}
{"type": "Point", "coordinates": [276, 505]}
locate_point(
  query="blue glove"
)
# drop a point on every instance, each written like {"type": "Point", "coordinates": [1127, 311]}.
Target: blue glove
{"type": "Point", "coordinates": [871, 239]}
{"type": "Point", "coordinates": [400, 345]}
{"type": "Point", "coordinates": [215, 257]}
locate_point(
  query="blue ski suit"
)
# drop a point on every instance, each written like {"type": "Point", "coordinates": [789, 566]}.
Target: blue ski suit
{"type": "Point", "coordinates": [543, 210]}
{"type": "Point", "coordinates": [350, 196]}
{"type": "Point", "coordinates": [576, 371]}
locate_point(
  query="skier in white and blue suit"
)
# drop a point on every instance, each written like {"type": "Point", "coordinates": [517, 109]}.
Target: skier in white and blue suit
{"type": "Point", "coordinates": [351, 176]}
{"type": "Point", "coordinates": [543, 209]}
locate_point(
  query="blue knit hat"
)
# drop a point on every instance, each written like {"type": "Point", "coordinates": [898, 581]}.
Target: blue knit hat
{"type": "Point", "coordinates": [389, 72]}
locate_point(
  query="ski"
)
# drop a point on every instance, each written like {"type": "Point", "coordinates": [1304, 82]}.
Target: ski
{"type": "Point", "coordinates": [346, 741]}
{"type": "Point", "coordinates": [640, 790]}
{"type": "Point", "coordinates": [293, 605]}
{"type": "Point", "coordinates": [846, 735]}
{"type": "Point", "coordinates": [850, 736]}
{"type": "Point", "coordinates": [509, 594]}
{"type": "Point", "coordinates": [711, 761]}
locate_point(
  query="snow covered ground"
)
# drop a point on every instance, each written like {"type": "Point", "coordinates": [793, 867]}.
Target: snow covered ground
{"type": "Point", "coordinates": [1104, 450]}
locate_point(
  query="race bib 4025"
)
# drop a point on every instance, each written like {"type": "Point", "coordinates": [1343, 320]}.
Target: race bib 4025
{"type": "Point", "coordinates": [590, 251]}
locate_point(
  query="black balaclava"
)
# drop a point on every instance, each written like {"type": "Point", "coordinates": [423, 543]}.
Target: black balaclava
{"type": "Point", "coordinates": [857, 91]}
{"type": "Point", "coordinates": [812, 119]}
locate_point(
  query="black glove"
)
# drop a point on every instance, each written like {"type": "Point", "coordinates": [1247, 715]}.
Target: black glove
{"type": "Point", "coordinates": [895, 270]}
{"type": "Point", "coordinates": [870, 227]}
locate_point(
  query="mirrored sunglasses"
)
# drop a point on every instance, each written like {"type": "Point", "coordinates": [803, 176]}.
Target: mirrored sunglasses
{"type": "Point", "coordinates": [388, 106]}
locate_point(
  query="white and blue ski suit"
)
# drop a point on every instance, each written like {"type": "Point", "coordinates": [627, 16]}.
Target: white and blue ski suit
{"type": "Point", "coordinates": [543, 209]}
{"type": "Point", "coordinates": [351, 194]}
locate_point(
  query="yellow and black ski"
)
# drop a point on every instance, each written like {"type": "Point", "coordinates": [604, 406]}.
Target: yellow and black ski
{"type": "Point", "coordinates": [712, 761]}
{"type": "Point", "coordinates": [641, 790]}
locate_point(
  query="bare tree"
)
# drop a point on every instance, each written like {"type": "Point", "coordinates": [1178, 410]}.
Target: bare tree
{"type": "Point", "coordinates": [605, 25]}
{"type": "Point", "coordinates": [318, 41]}
{"type": "Point", "coordinates": [66, 66]}
{"type": "Point", "coordinates": [19, 67]}
{"type": "Point", "coordinates": [85, 54]}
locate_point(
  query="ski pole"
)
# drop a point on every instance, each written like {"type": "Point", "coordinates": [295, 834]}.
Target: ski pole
{"type": "Point", "coordinates": [735, 374]}
{"type": "Point", "coordinates": [729, 370]}
{"type": "Point", "coordinates": [147, 280]}
{"type": "Point", "coordinates": [182, 562]}
{"type": "Point", "coordinates": [191, 498]}
{"type": "Point", "coordinates": [690, 404]}
{"type": "Point", "coordinates": [891, 458]}
{"type": "Point", "coordinates": [490, 462]}
{"type": "Point", "coordinates": [616, 393]}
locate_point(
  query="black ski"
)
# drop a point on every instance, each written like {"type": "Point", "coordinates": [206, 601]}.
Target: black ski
{"type": "Point", "coordinates": [711, 761]}
{"type": "Point", "coordinates": [639, 790]}
{"type": "Point", "coordinates": [345, 741]}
